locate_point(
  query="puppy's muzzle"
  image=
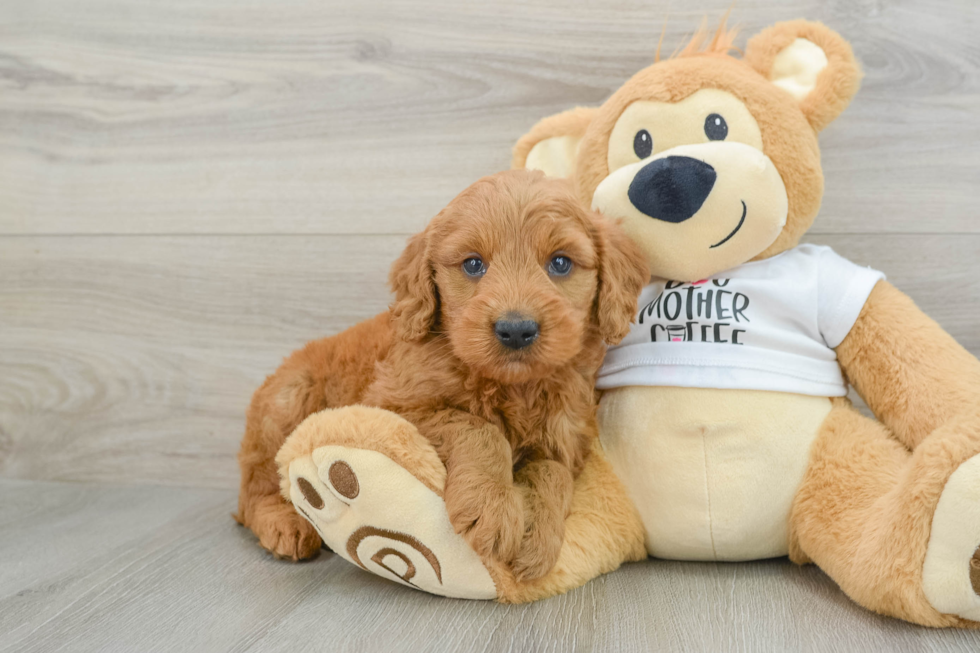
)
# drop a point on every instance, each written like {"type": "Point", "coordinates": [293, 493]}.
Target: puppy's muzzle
{"type": "Point", "coordinates": [516, 333]}
{"type": "Point", "coordinates": [673, 188]}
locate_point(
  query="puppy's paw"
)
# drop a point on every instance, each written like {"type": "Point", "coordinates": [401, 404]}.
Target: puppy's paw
{"type": "Point", "coordinates": [284, 533]}
{"type": "Point", "coordinates": [539, 549]}
{"type": "Point", "coordinates": [489, 514]}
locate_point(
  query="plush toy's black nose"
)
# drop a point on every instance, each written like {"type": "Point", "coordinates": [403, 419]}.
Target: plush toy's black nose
{"type": "Point", "coordinates": [516, 334]}
{"type": "Point", "coordinates": [673, 188]}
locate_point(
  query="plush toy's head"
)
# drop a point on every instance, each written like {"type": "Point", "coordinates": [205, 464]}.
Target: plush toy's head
{"type": "Point", "coordinates": [709, 161]}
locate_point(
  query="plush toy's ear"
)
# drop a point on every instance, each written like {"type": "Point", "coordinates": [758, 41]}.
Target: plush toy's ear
{"type": "Point", "coordinates": [552, 144]}
{"type": "Point", "coordinates": [623, 272]}
{"type": "Point", "coordinates": [811, 62]}
{"type": "Point", "coordinates": [416, 296]}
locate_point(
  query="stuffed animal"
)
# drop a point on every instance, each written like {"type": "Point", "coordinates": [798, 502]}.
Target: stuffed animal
{"type": "Point", "coordinates": [743, 449]}
{"type": "Point", "coordinates": [724, 410]}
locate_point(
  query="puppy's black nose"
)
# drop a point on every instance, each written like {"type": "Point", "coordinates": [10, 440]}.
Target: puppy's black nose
{"type": "Point", "coordinates": [673, 188]}
{"type": "Point", "coordinates": [516, 334]}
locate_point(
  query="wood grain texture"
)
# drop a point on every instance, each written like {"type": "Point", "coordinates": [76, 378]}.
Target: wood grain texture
{"type": "Point", "coordinates": [214, 116]}
{"type": "Point", "coordinates": [164, 569]}
{"type": "Point", "coordinates": [131, 359]}
{"type": "Point", "coordinates": [134, 358]}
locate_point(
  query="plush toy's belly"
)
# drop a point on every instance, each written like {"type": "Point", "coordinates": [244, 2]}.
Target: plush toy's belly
{"type": "Point", "coordinates": [713, 473]}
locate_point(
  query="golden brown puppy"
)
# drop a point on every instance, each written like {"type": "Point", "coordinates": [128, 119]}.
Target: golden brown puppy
{"type": "Point", "coordinates": [502, 307]}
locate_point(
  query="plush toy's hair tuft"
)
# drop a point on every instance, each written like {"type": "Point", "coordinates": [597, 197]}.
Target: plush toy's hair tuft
{"type": "Point", "coordinates": [722, 42]}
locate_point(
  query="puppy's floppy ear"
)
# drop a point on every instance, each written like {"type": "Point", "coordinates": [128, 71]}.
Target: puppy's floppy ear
{"type": "Point", "coordinates": [623, 272]}
{"type": "Point", "coordinates": [416, 296]}
{"type": "Point", "coordinates": [552, 145]}
{"type": "Point", "coordinates": [811, 62]}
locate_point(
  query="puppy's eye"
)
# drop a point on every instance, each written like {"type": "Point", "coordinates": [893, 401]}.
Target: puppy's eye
{"type": "Point", "coordinates": [474, 267]}
{"type": "Point", "coordinates": [560, 266]}
{"type": "Point", "coordinates": [715, 127]}
{"type": "Point", "coordinates": [643, 144]}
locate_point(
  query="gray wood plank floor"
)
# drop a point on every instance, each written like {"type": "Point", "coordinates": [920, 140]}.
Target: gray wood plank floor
{"type": "Point", "coordinates": [144, 568]}
{"type": "Point", "coordinates": [191, 189]}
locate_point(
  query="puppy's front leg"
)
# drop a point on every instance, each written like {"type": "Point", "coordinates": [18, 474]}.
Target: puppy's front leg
{"type": "Point", "coordinates": [548, 487]}
{"type": "Point", "coordinates": [484, 505]}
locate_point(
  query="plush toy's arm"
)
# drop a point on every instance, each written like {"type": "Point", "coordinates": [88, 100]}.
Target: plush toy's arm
{"type": "Point", "coordinates": [913, 375]}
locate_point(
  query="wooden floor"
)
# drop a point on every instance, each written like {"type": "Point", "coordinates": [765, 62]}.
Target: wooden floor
{"type": "Point", "coordinates": [146, 568]}
{"type": "Point", "coordinates": [191, 189]}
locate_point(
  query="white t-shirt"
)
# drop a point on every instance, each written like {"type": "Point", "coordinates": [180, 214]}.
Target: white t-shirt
{"type": "Point", "coordinates": [765, 325]}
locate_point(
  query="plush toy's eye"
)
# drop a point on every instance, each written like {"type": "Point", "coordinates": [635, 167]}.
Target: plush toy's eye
{"type": "Point", "coordinates": [643, 144]}
{"type": "Point", "coordinates": [474, 267]}
{"type": "Point", "coordinates": [560, 265]}
{"type": "Point", "coordinates": [715, 127]}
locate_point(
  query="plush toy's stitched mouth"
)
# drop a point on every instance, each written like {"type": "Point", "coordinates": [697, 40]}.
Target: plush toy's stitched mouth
{"type": "Point", "coordinates": [735, 231]}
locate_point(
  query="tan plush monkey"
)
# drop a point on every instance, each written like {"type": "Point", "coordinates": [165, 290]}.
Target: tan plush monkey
{"type": "Point", "coordinates": [723, 411]}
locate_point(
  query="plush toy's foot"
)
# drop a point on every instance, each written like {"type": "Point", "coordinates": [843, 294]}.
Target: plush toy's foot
{"type": "Point", "coordinates": [951, 573]}
{"type": "Point", "coordinates": [372, 487]}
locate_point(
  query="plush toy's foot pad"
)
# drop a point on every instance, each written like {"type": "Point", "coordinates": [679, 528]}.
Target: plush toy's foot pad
{"type": "Point", "coordinates": [951, 572]}
{"type": "Point", "coordinates": [975, 572]}
{"type": "Point", "coordinates": [372, 487]}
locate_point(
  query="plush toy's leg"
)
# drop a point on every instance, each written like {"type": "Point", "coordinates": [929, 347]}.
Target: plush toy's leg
{"type": "Point", "coordinates": [372, 487]}
{"type": "Point", "coordinates": [896, 530]}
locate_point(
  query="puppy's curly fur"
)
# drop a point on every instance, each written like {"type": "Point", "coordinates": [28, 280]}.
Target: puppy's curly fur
{"type": "Point", "coordinates": [513, 426]}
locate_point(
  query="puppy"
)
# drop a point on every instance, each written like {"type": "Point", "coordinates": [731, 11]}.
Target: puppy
{"type": "Point", "coordinates": [502, 308]}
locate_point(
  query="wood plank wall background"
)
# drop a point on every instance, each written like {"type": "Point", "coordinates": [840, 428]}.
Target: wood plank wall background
{"type": "Point", "coordinates": [191, 189]}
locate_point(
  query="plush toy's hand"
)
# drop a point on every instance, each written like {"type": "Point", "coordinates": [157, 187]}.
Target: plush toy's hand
{"type": "Point", "coordinates": [488, 513]}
